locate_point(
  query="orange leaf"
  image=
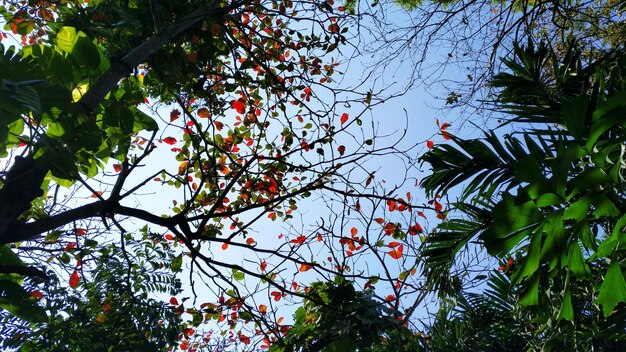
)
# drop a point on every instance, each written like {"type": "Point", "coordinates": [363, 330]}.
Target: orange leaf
{"type": "Point", "coordinates": [379, 220]}
{"type": "Point", "coordinates": [224, 246]}
{"type": "Point", "coordinates": [344, 118]}
{"type": "Point", "coordinates": [305, 267]}
{"type": "Point", "coordinates": [354, 231]}
{"type": "Point", "coordinates": [97, 194]}
{"type": "Point", "coordinates": [263, 309]}
{"type": "Point", "coordinates": [183, 167]}
{"type": "Point", "coordinates": [250, 241]}
{"type": "Point", "coordinates": [204, 113]}
{"type": "Point", "coordinates": [169, 237]}
{"type": "Point", "coordinates": [396, 253]}
{"type": "Point", "coordinates": [74, 279]}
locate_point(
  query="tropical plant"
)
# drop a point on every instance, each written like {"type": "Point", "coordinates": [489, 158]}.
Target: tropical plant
{"type": "Point", "coordinates": [548, 195]}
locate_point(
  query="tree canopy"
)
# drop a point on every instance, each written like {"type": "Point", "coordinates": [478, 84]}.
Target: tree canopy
{"type": "Point", "coordinates": [176, 174]}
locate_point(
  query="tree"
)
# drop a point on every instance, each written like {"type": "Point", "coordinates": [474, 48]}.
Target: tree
{"type": "Point", "coordinates": [455, 46]}
{"type": "Point", "coordinates": [547, 199]}
{"type": "Point", "coordinates": [336, 317]}
{"type": "Point", "coordinates": [112, 311]}
{"type": "Point", "coordinates": [245, 143]}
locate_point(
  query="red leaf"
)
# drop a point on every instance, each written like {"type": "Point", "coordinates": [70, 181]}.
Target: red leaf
{"type": "Point", "coordinates": [169, 237]}
{"type": "Point", "coordinates": [173, 301]}
{"type": "Point", "coordinates": [169, 140]}
{"type": "Point", "coordinates": [245, 339]}
{"type": "Point", "coordinates": [117, 167]}
{"type": "Point", "coordinates": [238, 106]}
{"type": "Point", "coordinates": [430, 144]}
{"type": "Point", "coordinates": [341, 149]}
{"type": "Point", "coordinates": [192, 57]}
{"type": "Point", "coordinates": [174, 115]}
{"type": "Point", "coordinates": [36, 294]}
{"type": "Point", "coordinates": [344, 118]}
{"type": "Point", "coordinates": [74, 279]}
{"type": "Point", "coordinates": [70, 246]}
{"type": "Point", "coordinates": [415, 229]}
{"type": "Point", "coordinates": [263, 266]}
{"type": "Point", "coordinates": [438, 206]}
{"type": "Point", "coordinates": [81, 231]}
{"type": "Point", "coordinates": [379, 220]}
{"type": "Point", "coordinates": [250, 241]}
{"type": "Point", "coordinates": [277, 295]}
{"type": "Point", "coordinates": [299, 240]}
{"type": "Point", "coordinates": [224, 246]}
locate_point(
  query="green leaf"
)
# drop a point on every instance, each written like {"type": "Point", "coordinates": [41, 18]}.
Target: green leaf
{"type": "Point", "coordinates": [245, 315]}
{"type": "Point", "coordinates": [573, 113]}
{"type": "Point", "coordinates": [86, 53]}
{"type": "Point", "coordinates": [575, 261]}
{"type": "Point", "coordinates": [238, 275]}
{"type": "Point", "coordinates": [530, 295]}
{"type": "Point", "coordinates": [18, 302]}
{"type": "Point", "coordinates": [615, 241]}
{"type": "Point", "coordinates": [144, 122]}
{"type": "Point", "coordinates": [566, 311]}
{"type": "Point", "coordinates": [511, 223]}
{"type": "Point", "coordinates": [613, 290]}
{"type": "Point", "coordinates": [66, 38]}
{"type": "Point", "coordinates": [531, 262]}
{"type": "Point", "coordinates": [177, 263]}
{"type": "Point", "coordinates": [8, 257]}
